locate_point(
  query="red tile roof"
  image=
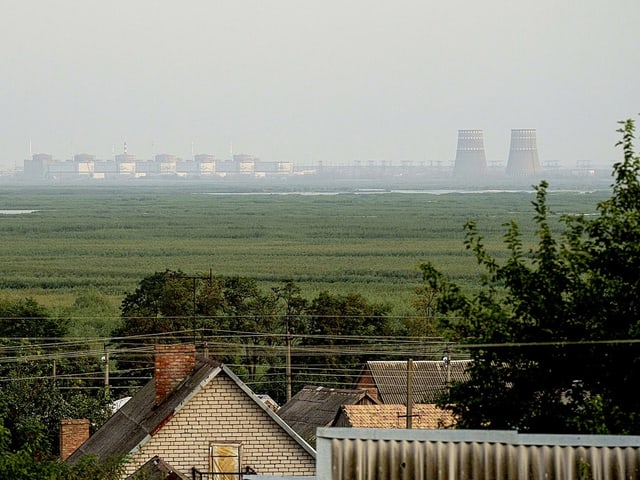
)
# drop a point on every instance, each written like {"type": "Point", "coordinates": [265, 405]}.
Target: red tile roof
{"type": "Point", "coordinates": [425, 416]}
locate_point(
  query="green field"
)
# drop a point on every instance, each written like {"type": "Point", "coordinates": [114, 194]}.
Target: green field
{"type": "Point", "coordinates": [108, 237]}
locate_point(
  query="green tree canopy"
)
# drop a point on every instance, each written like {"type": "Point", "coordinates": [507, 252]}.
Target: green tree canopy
{"type": "Point", "coordinates": [27, 318]}
{"type": "Point", "coordinates": [337, 321]}
{"type": "Point", "coordinates": [31, 402]}
{"type": "Point", "coordinates": [247, 327]}
{"type": "Point", "coordinates": [552, 331]}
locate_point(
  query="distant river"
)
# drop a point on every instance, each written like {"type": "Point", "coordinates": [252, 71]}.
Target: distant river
{"type": "Point", "coordinates": [382, 191]}
{"type": "Point", "coordinates": [15, 212]}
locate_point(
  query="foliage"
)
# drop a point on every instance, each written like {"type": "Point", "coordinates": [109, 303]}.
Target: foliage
{"type": "Point", "coordinates": [27, 463]}
{"type": "Point", "coordinates": [254, 325]}
{"type": "Point", "coordinates": [549, 331]}
{"type": "Point", "coordinates": [31, 402]}
{"type": "Point", "coordinates": [27, 318]}
{"type": "Point", "coordinates": [90, 315]}
{"type": "Point", "coordinates": [32, 405]}
{"type": "Point", "coordinates": [426, 296]}
{"type": "Point", "coordinates": [334, 322]}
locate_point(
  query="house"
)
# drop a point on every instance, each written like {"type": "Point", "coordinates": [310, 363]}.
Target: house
{"type": "Point", "coordinates": [423, 416]}
{"type": "Point", "coordinates": [198, 416]}
{"type": "Point", "coordinates": [314, 407]}
{"type": "Point", "coordinates": [386, 381]}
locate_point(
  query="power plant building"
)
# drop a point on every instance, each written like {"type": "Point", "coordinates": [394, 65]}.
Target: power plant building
{"type": "Point", "coordinates": [166, 164]}
{"type": "Point", "coordinates": [523, 153]}
{"type": "Point", "coordinates": [470, 155]}
{"type": "Point", "coordinates": [85, 164]}
{"type": "Point", "coordinates": [126, 163]}
{"type": "Point", "coordinates": [38, 165]}
{"type": "Point", "coordinates": [206, 163]}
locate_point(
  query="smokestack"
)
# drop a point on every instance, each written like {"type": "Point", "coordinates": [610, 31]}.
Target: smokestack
{"type": "Point", "coordinates": [523, 153]}
{"type": "Point", "coordinates": [173, 363]}
{"type": "Point", "coordinates": [73, 433]}
{"type": "Point", "coordinates": [470, 156]}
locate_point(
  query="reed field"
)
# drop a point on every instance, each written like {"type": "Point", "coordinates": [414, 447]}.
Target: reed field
{"type": "Point", "coordinates": [106, 238]}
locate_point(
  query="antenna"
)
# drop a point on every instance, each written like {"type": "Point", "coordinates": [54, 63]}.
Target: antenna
{"type": "Point", "coordinates": [30, 150]}
{"type": "Point", "coordinates": [125, 147]}
{"type": "Point", "coordinates": [193, 156]}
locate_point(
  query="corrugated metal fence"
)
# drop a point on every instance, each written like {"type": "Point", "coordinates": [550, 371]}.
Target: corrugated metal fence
{"type": "Point", "coordinates": [374, 454]}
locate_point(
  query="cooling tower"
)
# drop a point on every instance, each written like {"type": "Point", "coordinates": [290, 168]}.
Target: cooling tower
{"type": "Point", "coordinates": [470, 157]}
{"type": "Point", "coordinates": [523, 153]}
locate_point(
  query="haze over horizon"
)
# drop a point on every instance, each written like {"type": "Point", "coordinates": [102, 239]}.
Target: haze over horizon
{"type": "Point", "coordinates": [336, 82]}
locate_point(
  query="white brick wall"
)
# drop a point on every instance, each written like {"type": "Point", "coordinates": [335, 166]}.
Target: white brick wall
{"type": "Point", "coordinates": [222, 413]}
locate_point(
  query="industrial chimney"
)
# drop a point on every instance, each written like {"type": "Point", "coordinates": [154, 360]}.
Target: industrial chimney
{"type": "Point", "coordinates": [470, 156]}
{"type": "Point", "coordinates": [523, 153]}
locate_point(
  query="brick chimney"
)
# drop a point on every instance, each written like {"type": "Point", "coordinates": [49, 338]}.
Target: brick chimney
{"type": "Point", "coordinates": [173, 363]}
{"type": "Point", "coordinates": [73, 433]}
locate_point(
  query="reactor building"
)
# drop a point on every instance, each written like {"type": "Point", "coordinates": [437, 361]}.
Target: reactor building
{"type": "Point", "coordinates": [523, 153]}
{"type": "Point", "coordinates": [470, 157]}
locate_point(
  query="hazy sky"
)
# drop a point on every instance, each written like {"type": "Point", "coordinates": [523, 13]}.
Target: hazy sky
{"type": "Point", "coordinates": [304, 81]}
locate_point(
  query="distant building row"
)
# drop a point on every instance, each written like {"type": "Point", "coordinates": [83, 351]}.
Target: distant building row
{"type": "Point", "coordinates": [42, 165]}
{"type": "Point", "coordinates": [470, 162]}
{"type": "Point", "coordinates": [523, 153]}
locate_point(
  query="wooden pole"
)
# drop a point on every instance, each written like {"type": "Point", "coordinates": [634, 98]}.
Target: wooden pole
{"type": "Point", "coordinates": [409, 393]}
{"type": "Point", "coordinates": [106, 373]}
{"type": "Point", "coordinates": [288, 365]}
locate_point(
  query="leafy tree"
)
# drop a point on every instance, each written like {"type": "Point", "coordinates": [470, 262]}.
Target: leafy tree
{"type": "Point", "coordinates": [251, 318]}
{"type": "Point", "coordinates": [293, 306]}
{"type": "Point", "coordinates": [92, 314]}
{"type": "Point", "coordinates": [27, 463]}
{"type": "Point", "coordinates": [27, 318]}
{"type": "Point", "coordinates": [550, 329]}
{"type": "Point", "coordinates": [253, 325]}
{"type": "Point", "coordinates": [424, 325]}
{"type": "Point", "coordinates": [170, 302]}
{"type": "Point", "coordinates": [214, 310]}
{"type": "Point", "coordinates": [335, 322]}
{"type": "Point", "coordinates": [31, 404]}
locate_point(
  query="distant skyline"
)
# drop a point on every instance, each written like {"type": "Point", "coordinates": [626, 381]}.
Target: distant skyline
{"type": "Point", "coordinates": [304, 82]}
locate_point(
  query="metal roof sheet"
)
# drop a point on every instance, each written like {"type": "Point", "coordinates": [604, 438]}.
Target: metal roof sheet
{"type": "Point", "coordinates": [430, 378]}
{"type": "Point", "coordinates": [358, 453]}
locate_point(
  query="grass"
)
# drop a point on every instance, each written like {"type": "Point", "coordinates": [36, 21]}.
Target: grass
{"type": "Point", "coordinates": [106, 238]}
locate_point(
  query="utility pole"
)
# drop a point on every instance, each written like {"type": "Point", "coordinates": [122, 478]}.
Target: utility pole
{"type": "Point", "coordinates": [288, 363]}
{"type": "Point", "coordinates": [105, 359]}
{"type": "Point", "coordinates": [446, 359]}
{"type": "Point", "coordinates": [194, 279]}
{"type": "Point", "coordinates": [194, 311]}
{"type": "Point", "coordinates": [409, 393]}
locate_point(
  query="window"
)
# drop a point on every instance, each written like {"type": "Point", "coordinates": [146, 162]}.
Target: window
{"type": "Point", "coordinates": [225, 460]}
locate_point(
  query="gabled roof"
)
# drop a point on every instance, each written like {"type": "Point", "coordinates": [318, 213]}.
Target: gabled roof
{"type": "Point", "coordinates": [394, 416]}
{"type": "Point", "coordinates": [140, 418]}
{"type": "Point", "coordinates": [157, 469]}
{"type": "Point", "coordinates": [430, 378]}
{"type": "Point", "coordinates": [314, 407]}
